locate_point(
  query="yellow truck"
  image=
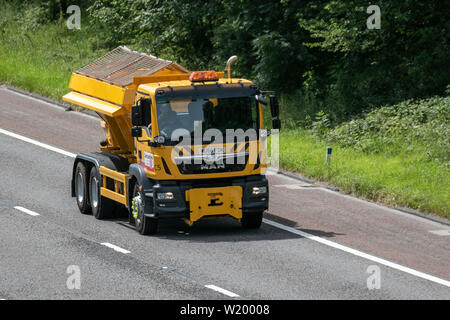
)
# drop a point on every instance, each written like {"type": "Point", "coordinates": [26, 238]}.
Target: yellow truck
{"type": "Point", "coordinates": [179, 144]}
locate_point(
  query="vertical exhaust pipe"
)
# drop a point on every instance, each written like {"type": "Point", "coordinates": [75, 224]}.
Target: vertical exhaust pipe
{"type": "Point", "coordinates": [230, 61]}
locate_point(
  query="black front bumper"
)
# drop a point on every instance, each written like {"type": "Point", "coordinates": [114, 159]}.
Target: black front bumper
{"type": "Point", "coordinates": [178, 207]}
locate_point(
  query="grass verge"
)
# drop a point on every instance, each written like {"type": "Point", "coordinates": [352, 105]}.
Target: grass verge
{"type": "Point", "coordinates": [399, 179]}
{"type": "Point", "coordinates": [41, 57]}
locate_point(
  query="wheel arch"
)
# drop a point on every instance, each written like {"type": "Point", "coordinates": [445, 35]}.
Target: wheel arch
{"type": "Point", "coordinates": [137, 173]}
{"type": "Point", "coordinates": [97, 159]}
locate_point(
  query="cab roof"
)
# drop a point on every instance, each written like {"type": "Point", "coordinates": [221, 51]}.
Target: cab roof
{"type": "Point", "coordinates": [153, 87]}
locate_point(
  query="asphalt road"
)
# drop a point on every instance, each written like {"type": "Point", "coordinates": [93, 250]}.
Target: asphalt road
{"type": "Point", "coordinates": [313, 244]}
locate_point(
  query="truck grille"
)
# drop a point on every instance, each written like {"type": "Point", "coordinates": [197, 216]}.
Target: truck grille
{"type": "Point", "coordinates": [215, 167]}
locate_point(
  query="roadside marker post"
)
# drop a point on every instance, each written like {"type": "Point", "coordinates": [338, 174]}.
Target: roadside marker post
{"type": "Point", "coordinates": [328, 158]}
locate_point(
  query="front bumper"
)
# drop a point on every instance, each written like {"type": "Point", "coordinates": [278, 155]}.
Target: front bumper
{"type": "Point", "coordinates": [179, 206]}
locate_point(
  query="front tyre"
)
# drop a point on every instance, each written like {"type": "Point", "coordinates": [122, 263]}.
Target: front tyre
{"type": "Point", "coordinates": [252, 220]}
{"type": "Point", "coordinates": [81, 189]}
{"type": "Point", "coordinates": [144, 225]}
{"type": "Point", "coordinates": [102, 208]}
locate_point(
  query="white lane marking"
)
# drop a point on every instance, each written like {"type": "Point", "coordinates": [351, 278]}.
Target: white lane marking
{"type": "Point", "coordinates": [115, 248]}
{"type": "Point", "coordinates": [37, 143]}
{"type": "Point", "coordinates": [441, 232]}
{"type": "Point", "coordinates": [25, 210]}
{"type": "Point", "coordinates": [223, 291]}
{"type": "Point", "coordinates": [275, 224]}
{"type": "Point", "coordinates": [359, 253]}
{"type": "Point", "coordinates": [47, 103]}
{"type": "Point", "coordinates": [397, 212]}
{"type": "Point", "coordinates": [294, 186]}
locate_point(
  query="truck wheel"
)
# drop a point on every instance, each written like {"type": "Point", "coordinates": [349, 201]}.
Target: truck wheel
{"type": "Point", "coordinates": [131, 219]}
{"type": "Point", "coordinates": [81, 189]}
{"type": "Point", "coordinates": [144, 225]}
{"type": "Point", "coordinates": [251, 220]}
{"type": "Point", "coordinates": [102, 208]}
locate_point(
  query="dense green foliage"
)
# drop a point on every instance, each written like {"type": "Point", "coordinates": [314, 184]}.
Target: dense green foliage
{"type": "Point", "coordinates": [319, 54]}
{"type": "Point", "coordinates": [410, 126]}
{"type": "Point", "coordinates": [201, 35]}
{"type": "Point", "coordinates": [405, 179]}
{"type": "Point", "coordinates": [39, 56]}
{"type": "Point", "coordinates": [407, 57]}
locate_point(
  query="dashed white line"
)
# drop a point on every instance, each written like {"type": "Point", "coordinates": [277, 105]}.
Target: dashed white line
{"type": "Point", "coordinates": [272, 223]}
{"type": "Point", "coordinates": [359, 253]}
{"type": "Point", "coordinates": [223, 291]}
{"type": "Point", "coordinates": [37, 143]}
{"type": "Point", "coordinates": [115, 248]}
{"type": "Point", "coordinates": [124, 251]}
{"type": "Point", "coordinates": [25, 210]}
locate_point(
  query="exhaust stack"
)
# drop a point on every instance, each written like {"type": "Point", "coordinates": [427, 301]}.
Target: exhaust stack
{"type": "Point", "coordinates": [230, 61]}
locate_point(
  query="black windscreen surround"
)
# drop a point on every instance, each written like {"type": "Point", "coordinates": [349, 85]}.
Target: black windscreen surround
{"type": "Point", "coordinates": [206, 91]}
{"type": "Point", "coordinates": [193, 115]}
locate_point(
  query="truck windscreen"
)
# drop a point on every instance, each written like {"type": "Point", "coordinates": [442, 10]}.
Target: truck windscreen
{"type": "Point", "coordinates": [199, 115]}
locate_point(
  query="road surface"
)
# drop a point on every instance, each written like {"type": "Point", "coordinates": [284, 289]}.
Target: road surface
{"type": "Point", "coordinates": [314, 243]}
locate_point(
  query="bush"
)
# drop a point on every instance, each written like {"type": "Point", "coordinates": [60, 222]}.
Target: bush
{"type": "Point", "coordinates": [403, 127]}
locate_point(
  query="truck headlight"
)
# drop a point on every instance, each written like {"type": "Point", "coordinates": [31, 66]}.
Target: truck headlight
{"type": "Point", "coordinates": [259, 190]}
{"type": "Point", "coordinates": [164, 196]}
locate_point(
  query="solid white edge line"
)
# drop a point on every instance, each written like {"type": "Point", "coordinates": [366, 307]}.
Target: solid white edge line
{"type": "Point", "coordinates": [37, 143]}
{"type": "Point", "coordinates": [272, 223]}
{"type": "Point", "coordinates": [47, 103]}
{"type": "Point", "coordinates": [115, 248]}
{"type": "Point", "coordinates": [25, 210]}
{"type": "Point", "coordinates": [441, 232]}
{"type": "Point", "coordinates": [221, 290]}
{"type": "Point", "coordinates": [359, 253]}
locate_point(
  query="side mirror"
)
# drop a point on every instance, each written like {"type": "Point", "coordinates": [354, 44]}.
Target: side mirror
{"type": "Point", "coordinates": [137, 115]}
{"type": "Point", "coordinates": [260, 99]}
{"type": "Point", "coordinates": [136, 132]}
{"type": "Point", "coordinates": [140, 113]}
{"type": "Point", "coordinates": [276, 124]}
{"type": "Point", "coordinates": [274, 107]}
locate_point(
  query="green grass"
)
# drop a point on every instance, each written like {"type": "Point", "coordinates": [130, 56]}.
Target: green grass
{"type": "Point", "coordinates": [376, 157]}
{"type": "Point", "coordinates": [400, 179]}
{"type": "Point", "coordinates": [40, 58]}
{"type": "Point", "coordinates": [397, 155]}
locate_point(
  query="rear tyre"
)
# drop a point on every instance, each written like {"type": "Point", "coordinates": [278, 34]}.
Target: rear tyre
{"type": "Point", "coordinates": [144, 225]}
{"type": "Point", "coordinates": [102, 208]}
{"type": "Point", "coordinates": [81, 189]}
{"type": "Point", "coordinates": [251, 220]}
{"type": "Point", "coordinates": [131, 219]}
